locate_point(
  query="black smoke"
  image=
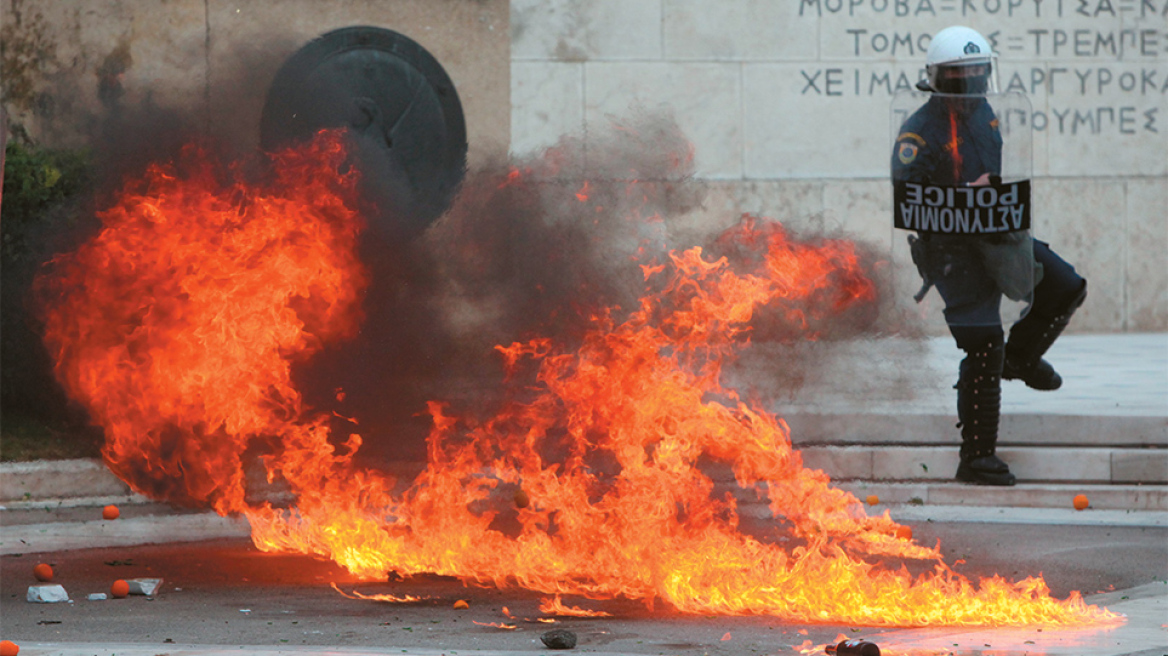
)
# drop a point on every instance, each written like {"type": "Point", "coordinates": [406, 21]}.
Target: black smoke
{"type": "Point", "coordinates": [530, 246]}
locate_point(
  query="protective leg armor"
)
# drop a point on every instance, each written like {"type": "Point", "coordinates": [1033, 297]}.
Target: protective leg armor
{"type": "Point", "coordinates": [979, 405]}
{"type": "Point", "coordinates": [1030, 338]}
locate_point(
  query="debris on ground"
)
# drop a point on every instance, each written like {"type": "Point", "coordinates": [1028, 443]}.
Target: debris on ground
{"type": "Point", "coordinates": [144, 586]}
{"type": "Point", "coordinates": [559, 639]}
{"type": "Point", "coordinates": [47, 594]}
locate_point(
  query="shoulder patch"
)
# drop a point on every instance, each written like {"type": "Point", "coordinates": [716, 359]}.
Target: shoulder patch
{"type": "Point", "coordinates": [912, 135]}
{"type": "Point", "coordinates": [994, 124]}
{"type": "Point", "coordinates": [907, 152]}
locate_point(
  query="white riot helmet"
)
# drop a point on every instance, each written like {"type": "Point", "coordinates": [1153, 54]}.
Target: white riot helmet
{"type": "Point", "coordinates": [961, 61]}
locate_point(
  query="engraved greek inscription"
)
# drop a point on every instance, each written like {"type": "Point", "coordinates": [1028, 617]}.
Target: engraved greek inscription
{"type": "Point", "coordinates": [899, 8]}
{"type": "Point", "coordinates": [865, 42]}
{"type": "Point", "coordinates": [1096, 43]}
{"type": "Point", "coordinates": [1094, 9]}
{"type": "Point", "coordinates": [812, 81]}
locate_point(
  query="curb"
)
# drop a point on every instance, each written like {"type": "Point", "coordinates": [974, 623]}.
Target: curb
{"type": "Point", "coordinates": [45, 479]}
{"type": "Point", "coordinates": [125, 649]}
{"type": "Point", "coordinates": [155, 529]}
{"type": "Point", "coordinates": [860, 426]}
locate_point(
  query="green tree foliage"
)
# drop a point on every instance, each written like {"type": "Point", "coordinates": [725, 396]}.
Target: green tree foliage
{"type": "Point", "coordinates": [40, 214]}
{"type": "Point", "coordinates": [35, 179]}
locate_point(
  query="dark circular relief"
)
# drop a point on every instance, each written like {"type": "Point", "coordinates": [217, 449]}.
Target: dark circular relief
{"type": "Point", "coordinates": [400, 107]}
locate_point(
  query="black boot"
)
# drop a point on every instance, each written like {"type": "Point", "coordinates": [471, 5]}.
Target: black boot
{"type": "Point", "coordinates": [1030, 338]}
{"type": "Point", "coordinates": [979, 405]}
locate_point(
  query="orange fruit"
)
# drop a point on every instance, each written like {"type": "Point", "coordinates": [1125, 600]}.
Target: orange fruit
{"type": "Point", "coordinates": [873, 499]}
{"type": "Point", "coordinates": [120, 589]}
{"type": "Point", "coordinates": [904, 532]}
{"type": "Point", "coordinates": [43, 572]}
{"type": "Point", "coordinates": [460, 604]}
{"type": "Point", "coordinates": [521, 499]}
{"type": "Point", "coordinates": [1081, 502]}
{"type": "Point", "coordinates": [110, 512]}
{"type": "Point", "coordinates": [9, 648]}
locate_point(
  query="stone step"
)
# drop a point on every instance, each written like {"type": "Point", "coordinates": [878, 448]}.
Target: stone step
{"type": "Point", "coordinates": [857, 427]}
{"type": "Point", "coordinates": [951, 494]}
{"type": "Point", "coordinates": [1110, 465]}
{"type": "Point", "coordinates": [58, 534]}
{"type": "Point", "coordinates": [54, 479]}
{"type": "Point", "coordinates": [1119, 479]}
{"type": "Point", "coordinates": [1023, 495]}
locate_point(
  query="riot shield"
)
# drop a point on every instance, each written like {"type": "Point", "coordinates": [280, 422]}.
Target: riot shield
{"type": "Point", "coordinates": [961, 243]}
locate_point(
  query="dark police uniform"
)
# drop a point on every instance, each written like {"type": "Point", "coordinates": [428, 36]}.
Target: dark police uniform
{"type": "Point", "coordinates": [924, 150]}
{"type": "Point", "coordinates": [951, 141]}
{"type": "Point", "coordinates": [954, 141]}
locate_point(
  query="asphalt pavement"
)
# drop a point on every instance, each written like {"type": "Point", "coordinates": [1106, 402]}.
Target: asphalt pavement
{"type": "Point", "coordinates": [224, 596]}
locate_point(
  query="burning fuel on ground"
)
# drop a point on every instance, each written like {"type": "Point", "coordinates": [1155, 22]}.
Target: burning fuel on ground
{"type": "Point", "coordinates": [209, 326]}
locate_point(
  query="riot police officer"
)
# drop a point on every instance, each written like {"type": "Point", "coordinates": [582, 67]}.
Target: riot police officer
{"type": "Point", "coordinates": [954, 139]}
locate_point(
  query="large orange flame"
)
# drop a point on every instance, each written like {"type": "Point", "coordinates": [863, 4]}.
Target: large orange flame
{"type": "Point", "coordinates": [177, 327]}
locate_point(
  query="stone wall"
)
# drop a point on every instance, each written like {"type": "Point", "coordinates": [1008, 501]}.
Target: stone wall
{"type": "Point", "coordinates": [785, 101]}
{"type": "Point", "coordinates": [67, 64]}
{"type": "Point", "coordinates": [787, 105]}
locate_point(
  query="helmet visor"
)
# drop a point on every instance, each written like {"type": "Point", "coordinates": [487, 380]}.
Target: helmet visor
{"type": "Point", "coordinates": [974, 79]}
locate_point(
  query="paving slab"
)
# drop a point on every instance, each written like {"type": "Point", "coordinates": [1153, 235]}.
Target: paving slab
{"type": "Point", "coordinates": [1104, 375]}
